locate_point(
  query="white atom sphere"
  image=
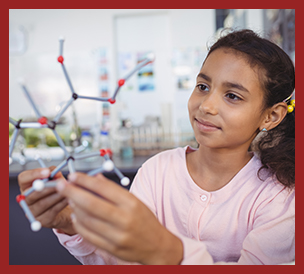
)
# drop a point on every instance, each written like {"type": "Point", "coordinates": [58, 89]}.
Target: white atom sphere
{"type": "Point", "coordinates": [37, 156]}
{"type": "Point", "coordinates": [151, 56]}
{"type": "Point", "coordinates": [38, 185]}
{"type": "Point", "coordinates": [61, 38]}
{"type": "Point", "coordinates": [108, 165]}
{"type": "Point", "coordinates": [125, 181]}
{"type": "Point", "coordinates": [35, 226]}
{"type": "Point", "coordinates": [21, 81]}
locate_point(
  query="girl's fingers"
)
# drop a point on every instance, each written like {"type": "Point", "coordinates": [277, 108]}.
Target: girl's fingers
{"type": "Point", "coordinates": [48, 217]}
{"type": "Point", "coordinates": [35, 196]}
{"type": "Point", "coordinates": [89, 202]}
{"type": "Point", "coordinates": [95, 225]}
{"type": "Point", "coordinates": [27, 177]}
{"type": "Point", "coordinates": [92, 237]}
{"type": "Point", "coordinates": [45, 203]}
{"type": "Point", "coordinates": [102, 187]}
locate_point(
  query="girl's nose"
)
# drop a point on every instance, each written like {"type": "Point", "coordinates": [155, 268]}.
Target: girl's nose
{"type": "Point", "coordinates": [209, 104]}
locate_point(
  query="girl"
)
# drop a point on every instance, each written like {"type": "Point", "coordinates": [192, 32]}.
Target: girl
{"type": "Point", "coordinates": [231, 201]}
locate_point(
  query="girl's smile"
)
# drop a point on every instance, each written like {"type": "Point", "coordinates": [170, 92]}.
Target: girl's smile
{"type": "Point", "coordinates": [205, 126]}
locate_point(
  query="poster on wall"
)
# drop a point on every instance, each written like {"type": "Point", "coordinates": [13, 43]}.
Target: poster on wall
{"type": "Point", "coordinates": [126, 62]}
{"type": "Point", "coordinates": [146, 81]}
{"type": "Point", "coordinates": [103, 75]}
{"type": "Point", "coordinates": [186, 63]}
{"type": "Point", "coordinates": [182, 63]}
{"type": "Point", "coordinates": [103, 78]}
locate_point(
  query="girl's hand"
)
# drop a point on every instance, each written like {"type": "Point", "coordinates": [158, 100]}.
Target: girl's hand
{"type": "Point", "coordinates": [48, 206]}
{"type": "Point", "coordinates": [114, 220]}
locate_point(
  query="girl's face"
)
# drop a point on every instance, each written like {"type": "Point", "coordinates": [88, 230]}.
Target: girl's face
{"type": "Point", "coordinates": [225, 106]}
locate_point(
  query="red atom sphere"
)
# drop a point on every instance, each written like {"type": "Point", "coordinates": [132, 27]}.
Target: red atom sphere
{"type": "Point", "coordinates": [103, 152]}
{"type": "Point", "coordinates": [60, 59]}
{"type": "Point", "coordinates": [121, 82]}
{"type": "Point", "coordinates": [42, 120]}
{"type": "Point", "coordinates": [20, 198]}
{"type": "Point", "coordinates": [109, 152]}
{"type": "Point", "coordinates": [112, 101]}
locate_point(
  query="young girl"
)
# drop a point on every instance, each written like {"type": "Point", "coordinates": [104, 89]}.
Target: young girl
{"type": "Point", "coordinates": [231, 201]}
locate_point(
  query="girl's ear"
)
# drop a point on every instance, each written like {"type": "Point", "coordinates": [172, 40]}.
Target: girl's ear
{"type": "Point", "coordinates": [274, 116]}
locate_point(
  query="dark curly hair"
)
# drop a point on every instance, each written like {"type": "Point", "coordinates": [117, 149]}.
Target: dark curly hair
{"type": "Point", "coordinates": [276, 148]}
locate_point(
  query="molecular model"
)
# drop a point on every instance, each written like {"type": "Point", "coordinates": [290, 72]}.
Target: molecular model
{"type": "Point", "coordinates": [69, 158]}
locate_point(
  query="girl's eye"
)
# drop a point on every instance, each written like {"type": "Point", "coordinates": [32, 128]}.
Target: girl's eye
{"type": "Point", "coordinates": [233, 97]}
{"type": "Point", "coordinates": [203, 87]}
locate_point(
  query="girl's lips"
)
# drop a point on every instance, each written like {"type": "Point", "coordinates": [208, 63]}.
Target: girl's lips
{"type": "Point", "coordinates": [206, 126]}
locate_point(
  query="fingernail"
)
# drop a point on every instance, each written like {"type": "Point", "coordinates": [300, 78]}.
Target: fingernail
{"type": "Point", "coordinates": [60, 185]}
{"type": "Point", "coordinates": [45, 172]}
{"type": "Point", "coordinates": [72, 177]}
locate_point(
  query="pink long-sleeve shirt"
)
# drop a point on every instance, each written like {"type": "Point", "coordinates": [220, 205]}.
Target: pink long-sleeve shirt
{"type": "Point", "coordinates": [248, 221]}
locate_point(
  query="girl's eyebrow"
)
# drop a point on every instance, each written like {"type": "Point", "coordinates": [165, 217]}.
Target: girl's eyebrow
{"type": "Point", "coordinates": [235, 86]}
{"type": "Point", "coordinates": [204, 76]}
{"type": "Point", "coordinates": [226, 84]}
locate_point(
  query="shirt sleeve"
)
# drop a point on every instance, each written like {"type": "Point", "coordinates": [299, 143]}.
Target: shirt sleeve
{"type": "Point", "coordinates": [85, 252]}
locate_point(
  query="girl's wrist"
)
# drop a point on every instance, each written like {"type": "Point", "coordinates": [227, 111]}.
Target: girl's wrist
{"type": "Point", "coordinates": [67, 228]}
{"type": "Point", "coordinates": [169, 252]}
{"type": "Point", "coordinates": [69, 232]}
{"type": "Point", "coordinates": [65, 225]}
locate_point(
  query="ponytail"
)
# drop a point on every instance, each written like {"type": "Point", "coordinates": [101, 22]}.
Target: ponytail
{"type": "Point", "coordinates": [276, 149]}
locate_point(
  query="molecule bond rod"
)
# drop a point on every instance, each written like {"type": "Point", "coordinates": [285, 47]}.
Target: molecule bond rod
{"type": "Point", "coordinates": [67, 78]}
{"type": "Point", "coordinates": [115, 92]}
{"type": "Point", "coordinates": [106, 157]}
{"type": "Point", "coordinates": [28, 191]}
{"type": "Point", "coordinates": [31, 102]}
{"type": "Point", "coordinates": [138, 67]}
{"type": "Point", "coordinates": [13, 122]}
{"type": "Point", "coordinates": [93, 98]}
{"type": "Point", "coordinates": [61, 144]}
{"type": "Point", "coordinates": [96, 171]}
{"type": "Point", "coordinates": [32, 125]}
{"type": "Point", "coordinates": [87, 155]}
{"type": "Point", "coordinates": [58, 168]}
{"type": "Point", "coordinates": [13, 141]}
{"type": "Point", "coordinates": [35, 225]}
{"type": "Point", "coordinates": [41, 163]}
{"type": "Point", "coordinates": [61, 40]}
{"type": "Point", "coordinates": [118, 173]}
{"type": "Point", "coordinates": [71, 166]}
{"type": "Point", "coordinates": [61, 112]}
